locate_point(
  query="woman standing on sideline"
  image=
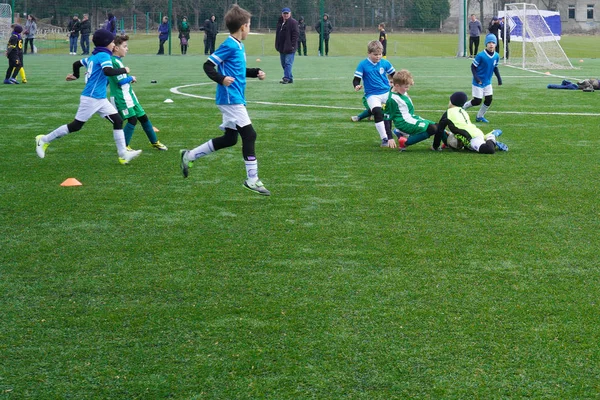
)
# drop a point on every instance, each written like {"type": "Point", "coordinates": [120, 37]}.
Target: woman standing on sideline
{"type": "Point", "coordinates": [163, 35]}
{"type": "Point", "coordinates": [184, 34]}
{"type": "Point", "coordinates": [29, 32]}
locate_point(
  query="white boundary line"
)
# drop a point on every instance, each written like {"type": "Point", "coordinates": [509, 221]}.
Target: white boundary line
{"type": "Point", "coordinates": [176, 90]}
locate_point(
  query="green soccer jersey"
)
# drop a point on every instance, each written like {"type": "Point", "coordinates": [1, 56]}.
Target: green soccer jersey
{"type": "Point", "coordinates": [121, 93]}
{"type": "Point", "coordinates": [399, 109]}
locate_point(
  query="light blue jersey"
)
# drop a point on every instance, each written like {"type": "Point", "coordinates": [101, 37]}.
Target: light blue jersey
{"type": "Point", "coordinates": [374, 76]}
{"type": "Point", "coordinates": [230, 60]}
{"type": "Point", "coordinates": [95, 80]}
{"type": "Point", "coordinates": [485, 64]}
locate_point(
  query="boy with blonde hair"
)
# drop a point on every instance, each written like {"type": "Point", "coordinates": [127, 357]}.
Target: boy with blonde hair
{"type": "Point", "coordinates": [400, 110]}
{"type": "Point", "coordinates": [374, 73]}
{"type": "Point", "coordinates": [227, 67]}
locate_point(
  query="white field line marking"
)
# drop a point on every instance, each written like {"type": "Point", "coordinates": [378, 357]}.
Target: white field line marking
{"type": "Point", "coordinates": [176, 90]}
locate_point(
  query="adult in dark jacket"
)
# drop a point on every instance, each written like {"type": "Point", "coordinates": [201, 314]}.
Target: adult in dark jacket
{"type": "Point", "coordinates": [211, 30]}
{"type": "Point", "coordinates": [163, 35]}
{"type": "Point", "coordinates": [73, 28]}
{"type": "Point", "coordinates": [184, 34]}
{"type": "Point", "coordinates": [85, 30]}
{"type": "Point", "coordinates": [324, 36]}
{"type": "Point", "coordinates": [494, 29]}
{"type": "Point", "coordinates": [301, 36]}
{"type": "Point", "coordinates": [286, 41]}
{"type": "Point", "coordinates": [111, 23]}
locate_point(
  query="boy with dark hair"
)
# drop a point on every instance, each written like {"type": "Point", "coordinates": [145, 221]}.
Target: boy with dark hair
{"type": "Point", "coordinates": [383, 39]}
{"type": "Point", "coordinates": [14, 53]}
{"type": "Point", "coordinates": [125, 100]}
{"type": "Point", "coordinates": [227, 67]}
{"type": "Point", "coordinates": [457, 120]}
{"type": "Point", "coordinates": [374, 73]}
{"type": "Point", "coordinates": [484, 65]}
{"type": "Point", "coordinates": [93, 98]}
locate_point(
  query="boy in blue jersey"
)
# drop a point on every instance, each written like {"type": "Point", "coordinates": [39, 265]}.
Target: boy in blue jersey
{"type": "Point", "coordinates": [484, 65]}
{"type": "Point", "coordinates": [93, 98]}
{"type": "Point", "coordinates": [227, 67]}
{"type": "Point", "coordinates": [374, 72]}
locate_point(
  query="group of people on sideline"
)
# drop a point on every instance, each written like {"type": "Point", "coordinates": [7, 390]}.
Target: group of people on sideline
{"type": "Point", "coordinates": [496, 27]}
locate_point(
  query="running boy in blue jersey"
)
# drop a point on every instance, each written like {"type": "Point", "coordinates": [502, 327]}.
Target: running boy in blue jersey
{"type": "Point", "coordinates": [484, 65]}
{"type": "Point", "coordinates": [374, 72]}
{"type": "Point", "coordinates": [227, 67]}
{"type": "Point", "coordinates": [93, 98]}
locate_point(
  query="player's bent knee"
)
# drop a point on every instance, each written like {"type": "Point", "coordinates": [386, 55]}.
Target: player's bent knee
{"type": "Point", "coordinates": [75, 126]}
{"type": "Point", "coordinates": [377, 114]}
{"type": "Point", "coordinates": [488, 101]}
{"type": "Point", "coordinates": [475, 101]}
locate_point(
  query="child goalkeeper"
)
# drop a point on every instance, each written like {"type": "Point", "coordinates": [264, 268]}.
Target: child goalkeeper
{"type": "Point", "coordinates": [125, 100]}
{"type": "Point", "coordinates": [457, 120]}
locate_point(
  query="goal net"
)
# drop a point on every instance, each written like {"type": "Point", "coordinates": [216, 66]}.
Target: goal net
{"type": "Point", "coordinates": [5, 21]}
{"type": "Point", "coordinates": [534, 36]}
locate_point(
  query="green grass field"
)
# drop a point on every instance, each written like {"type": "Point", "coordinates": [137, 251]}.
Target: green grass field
{"type": "Point", "coordinates": [368, 274]}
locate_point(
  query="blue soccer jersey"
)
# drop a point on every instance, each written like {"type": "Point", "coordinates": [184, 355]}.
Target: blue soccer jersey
{"type": "Point", "coordinates": [95, 80]}
{"type": "Point", "coordinates": [374, 76]}
{"type": "Point", "coordinates": [485, 64]}
{"type": "Point", "coordinates": [230, 60]}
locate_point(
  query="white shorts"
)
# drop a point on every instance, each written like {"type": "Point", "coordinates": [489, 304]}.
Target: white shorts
{"type": "Point", "coordinates": [89, 106]}
{"type": "Point", "coordinates": [481, 92]}
{"type": "Point", "coordinates": [477, 141]}
{"type": "Point", "coordinates": [377, 100]}
{"type": "Point", "coordinates": [233, 116]}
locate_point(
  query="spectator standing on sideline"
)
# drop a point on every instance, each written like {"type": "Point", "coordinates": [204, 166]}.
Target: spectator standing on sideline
{"type": "Point", "coordinates": [475, 30]}
{"type": "Point", "coordinates": [301, 36]}
{"type": "Point", "coordinates": [163, 35]}
{"type": "Point", "coordinates": [73, 28]}
{"type": "Point", "coordinates": [494, 29]}
{"type": "Point", "coordinates": [204, 28]}
{"type": "Point", "coordinates": [111, 23]}
{"type": "Point", "coordinates": [505, 41]}
{"type": "Point", "coordinates": [29, 32]}
{"type": "Point", "coordinates": [184, 34]}
{"type": "Point", "coordinates": [211, 29]}
{"type": "Point", "coordinates": [86, 30]}
{"type": "Point", "coordinates": [286, 40]}
{"type": "Point", "coordinates": [383, 38]}
{"type": "Point", "coordinates": [324, 36]}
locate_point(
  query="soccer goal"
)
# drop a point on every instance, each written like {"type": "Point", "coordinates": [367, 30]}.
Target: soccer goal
{"type": "Point", "coordinates": [534, 36]}
{"type": "Point", "coordinates": [5, 21]}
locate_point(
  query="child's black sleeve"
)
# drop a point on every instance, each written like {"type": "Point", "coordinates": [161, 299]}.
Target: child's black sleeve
{"type": "Point", "coordinates": [76, 65]}
{"type": "Point", "coordinates": [355, 81]}
{"type": "Point", "coordinates": [211, 71]}
{"type": "Point", "coordinates": [437, 140]}
{"type": "Point", "coordinates": [474, 72]}
{"type": "Point", "coordinates": [252, 72]}
{"type": "Point", "coordinates": [497, 73]}
{"type": "Point", "coordinates": [110, 71]}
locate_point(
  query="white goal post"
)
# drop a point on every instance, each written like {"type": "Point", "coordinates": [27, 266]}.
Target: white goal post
{"type": "Point", "coordinates": [5, 21]}
{"type": "Point", "coordinates": [533, 42]}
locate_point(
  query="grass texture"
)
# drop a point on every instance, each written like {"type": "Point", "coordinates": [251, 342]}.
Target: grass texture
{"type": "Point", "coordinates": [368, 274]}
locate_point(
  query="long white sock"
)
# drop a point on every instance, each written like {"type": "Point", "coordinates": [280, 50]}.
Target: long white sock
{"type": "Point", "coordinates": [120, 141]}
{"type": "Point", "coordinates": [381, 130]}
{"type": "Point", "coordinates": [482, 111]}
{"type": "Point", "coordinates": [467, 105]}
{"type": "Point", "coordinates": [201, 151]}
{"type": "Point", "coordinates": [55, 134]}
{"type": "Point", "coordinates": [252, 170]}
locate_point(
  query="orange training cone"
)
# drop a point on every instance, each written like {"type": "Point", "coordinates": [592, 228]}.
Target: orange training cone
{"type": "Point", "coordinates": [71, 182]}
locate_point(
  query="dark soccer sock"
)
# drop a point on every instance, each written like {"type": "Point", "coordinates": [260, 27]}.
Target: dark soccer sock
{"type": "Point", "coordinates": [364, 114]}
{"type": "Point", "coordinates": [149, 129]}
{"type": "Point", "coordinates": [128, 131]}
{"type": "Point", "coordinates": [419, 137]}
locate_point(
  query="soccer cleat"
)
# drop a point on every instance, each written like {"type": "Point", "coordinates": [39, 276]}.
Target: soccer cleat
{"type": "Point", "coordinates": [159, 146]}
{"type": "Point", "coordinates": [185, 163]}
{"type": "Point", "coordinates": [354, 118]}
{"type": "Point", "coordinates": [384, 142]}
{"type": "Point", "coordinates": [402, 143]}
{"type": "Point", "coordinates": [13, 81]}
{"type": "Point", "coordinates": [257, 187]}
{"type": "Point", "coordinates": [40, 146]}
{"type": "Point", "coordinates": [496, 132]}
{"type": "Point", "coordinates": [7, 82]}
{"type": "Point", "coordinates": [128, 148]}
{"type": "Point", "coordinates": [482, 119]}
{"type": "Point", "coordinates": [434, 149]}
{"type": "Point", "coordinates": [502, 146]}
{"type": "Point", "coordinates": [129, 155]}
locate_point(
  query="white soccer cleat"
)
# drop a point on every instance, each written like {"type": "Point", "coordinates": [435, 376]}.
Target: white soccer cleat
{"type": "Point", "coordinates": [40, 146]}
{"type": "Point", "coordinates": [129, 155]}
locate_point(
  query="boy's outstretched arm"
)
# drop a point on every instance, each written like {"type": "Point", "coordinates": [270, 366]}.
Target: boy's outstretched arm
{"type": "Point", "coordinates": [497, 73]}
{"type": "Point", "coordinates": [75, 75]}
{"type": "Point", "coordinates": [356, 83]}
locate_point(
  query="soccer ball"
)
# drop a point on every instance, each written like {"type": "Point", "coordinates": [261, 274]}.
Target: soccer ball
{"type": "Point", "coordinates": [453, 142]}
